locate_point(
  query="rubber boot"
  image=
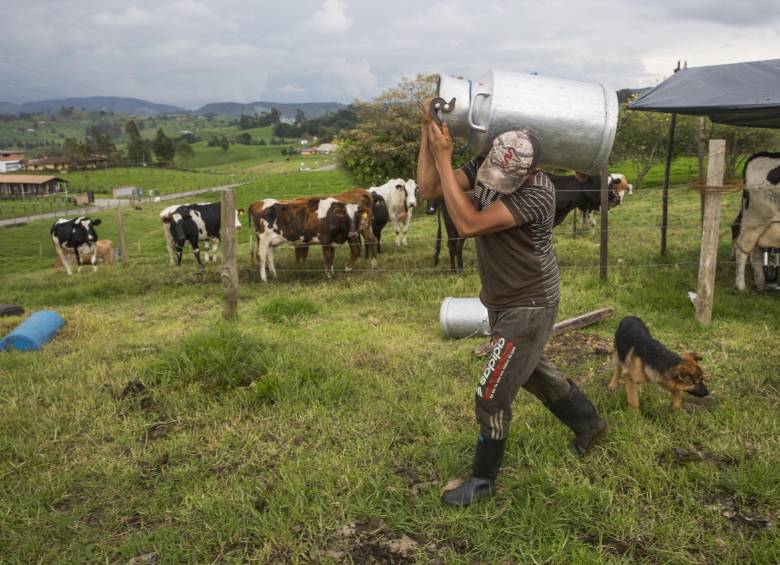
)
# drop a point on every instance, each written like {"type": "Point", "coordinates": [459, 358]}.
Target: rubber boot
{"type": "Point", "coordinates": [487, 461]}
{"type": "Point", "coordinates": [577, 412]}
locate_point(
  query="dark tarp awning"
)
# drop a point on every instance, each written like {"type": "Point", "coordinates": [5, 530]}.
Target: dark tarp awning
{"type": "Point", "coordinates": [742, 94]}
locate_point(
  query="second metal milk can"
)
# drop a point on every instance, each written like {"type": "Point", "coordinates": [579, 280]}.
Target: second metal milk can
{"type": "Point", "coordinates": [574, 121]}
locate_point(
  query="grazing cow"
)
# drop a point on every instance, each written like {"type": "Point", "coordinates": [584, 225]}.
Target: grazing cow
{"type": "Point", "coordinates": [758, 225]}
{"type": "Point", "coordinates": [401, 198]}
{"type": "Point", "coordinates": [324, 221]}
{"type": "Point", "coordinates": [104, 249]}
{"type": "Point", "coordinates": [618, 185]}
{"type": "Point", "coordinates": [194, 223]}
{"type": "Point", "coordinates": [77, 236]}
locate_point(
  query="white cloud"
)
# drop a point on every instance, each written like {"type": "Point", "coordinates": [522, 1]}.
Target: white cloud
{"type": "Point", "coordinates": [190, 52]}
{"type": "Point", "coordinates": [329, 19]}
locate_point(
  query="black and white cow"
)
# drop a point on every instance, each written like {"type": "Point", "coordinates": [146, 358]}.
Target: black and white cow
{"type": "Point", "coordinates": [194, 223]}
{"type": "Point", "coordinates": [758, 224]}
{"type": "Point", "coordinates": [76, 236]}
{"type": "Point", "coordinates": [400, 197]}
{"type": "Point", "coordinates": [381, 217]}
{"type": "Point", "coordinates": [581, 192]}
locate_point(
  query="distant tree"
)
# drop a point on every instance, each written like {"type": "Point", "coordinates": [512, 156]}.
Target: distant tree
{"type": "Point", "coordinates": [262, 142]}
{"type": "Point", "coordinates": [135, 146]}
{"type": "Point", "coordinates": [300, 117]}
{"type": "Point", "coordinates": [244, 138]}
{"type": "Point", "coordinates": [163, 147]}
{"type": "Point", "coordinates": [73, 149]}
{"type": "Point", "coordinates": [283, 129]}
{"type": "Point", "coordinates": [219, 141]}
{"type": "Point", "coordinates": [184, 151]}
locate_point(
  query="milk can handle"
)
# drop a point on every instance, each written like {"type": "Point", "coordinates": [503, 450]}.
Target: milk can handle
{"type": "Point", "coordinates": [470, 117]}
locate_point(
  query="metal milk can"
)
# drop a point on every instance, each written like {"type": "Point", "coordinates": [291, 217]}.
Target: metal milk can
{"type": "Point", "coordinates": [574, 121]}
{"type": "Point", "coordinates": [463, 317]}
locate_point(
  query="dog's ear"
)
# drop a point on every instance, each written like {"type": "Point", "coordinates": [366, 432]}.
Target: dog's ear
{"type": "Point", "coordinates": [695, 356]}
{"type": "Point", "coordinates": [681, 374]}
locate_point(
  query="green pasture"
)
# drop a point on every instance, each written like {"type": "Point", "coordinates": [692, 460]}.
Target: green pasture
{"type": "Point", "coordinates": [161, 180]}
{"type": "Point", "coordinates": [323, 423]}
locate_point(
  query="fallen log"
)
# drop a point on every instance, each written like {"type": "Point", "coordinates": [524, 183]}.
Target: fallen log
{"type": "Point", "coordinates": [581, 321]}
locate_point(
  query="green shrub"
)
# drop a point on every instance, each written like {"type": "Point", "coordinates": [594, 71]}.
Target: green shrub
{"type": "Point", "coordinates": [286, 310]}
{"type": "Point", "coordinates": [221, 357]}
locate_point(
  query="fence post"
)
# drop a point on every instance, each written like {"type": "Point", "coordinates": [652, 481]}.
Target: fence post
{"type": "Point", "coordinates": [603, 255]}
{"type": "Point", "coordinates": [229, 265]}
{"type": "Point", "coordinates": [708, 258]}
{"type": "Point", "coordinates": [121, 232]}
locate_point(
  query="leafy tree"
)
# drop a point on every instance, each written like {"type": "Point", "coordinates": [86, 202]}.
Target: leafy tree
{"type": "Point", "coordinates": [641, 139]}
{"type": "Point", "coordinates": [163, 147]}
{"type": "Point", "coordinates": [742, 142]}
{"type": "Point", "coordinates": [244, 138]}
{"type": "Point", "coordinates": [386, 139]}
{"type": "Point", "coordinates": [184, 151]}
{"type": "Point", "coordinates": [300, 117]}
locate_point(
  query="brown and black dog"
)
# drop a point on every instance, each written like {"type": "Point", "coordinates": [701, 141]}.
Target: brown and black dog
{"type": "Point", "coordinates": [640, 359]}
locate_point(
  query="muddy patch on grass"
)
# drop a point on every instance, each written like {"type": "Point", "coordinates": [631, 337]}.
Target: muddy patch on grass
{"type": "Point", "coordinates": [416, 481]}
{"type": "Point", "coordinates": [575, 348]}
{"type": "Point", "coordinates": [637, 548]}
{"type": "Point", "coordinates": [135, 395]}
{"type": "Point", "coordinates": [373, 541]}
{"type": "Point", "coordinates": [679, 457]}
{"type": "Point", "coordinates": [748, 514]}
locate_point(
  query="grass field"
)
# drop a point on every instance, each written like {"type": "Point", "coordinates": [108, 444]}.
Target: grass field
{"type": "Point", "coordinates": [323, 424]}
{"type": "Point", "coordinates": [163, 181]}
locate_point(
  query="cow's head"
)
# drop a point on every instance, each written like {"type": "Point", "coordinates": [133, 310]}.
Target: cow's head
{"type": "Point", "coordinates": [411, 194]}
{"type": "Point", "coordinates": [84, 231]}
{"type": "Point", "coordinates": [177, 222]}
{"type": "Point", "coordinates": [620, 186]}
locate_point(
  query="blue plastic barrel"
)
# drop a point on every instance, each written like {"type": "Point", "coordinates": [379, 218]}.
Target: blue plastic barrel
{"type": "Point", "coordinates": [35, 332]}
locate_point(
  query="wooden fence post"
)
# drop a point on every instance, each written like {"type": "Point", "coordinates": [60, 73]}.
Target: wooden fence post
{"type": "Point", "coordinates": [604, 255]}
{"type": "Point", "coordinates": [708, 259]}
{"type": "Point", "coordinates": [229, 264]}
{"type": "Point", "coordinates": [121, 231]}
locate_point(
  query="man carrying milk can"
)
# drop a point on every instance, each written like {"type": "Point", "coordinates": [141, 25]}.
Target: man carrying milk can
{"type": "Point", "coordinates": [511, 216]}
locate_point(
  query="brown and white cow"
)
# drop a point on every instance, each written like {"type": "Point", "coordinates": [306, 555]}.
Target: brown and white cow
{"type": "Point", "coordinates": [323, 221]}
{"type": "Point", "coordinates": [363, 198]}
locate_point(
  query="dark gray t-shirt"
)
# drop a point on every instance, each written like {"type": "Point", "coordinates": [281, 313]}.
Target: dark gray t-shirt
{"type": "Point", "coordinates": [517, 266]}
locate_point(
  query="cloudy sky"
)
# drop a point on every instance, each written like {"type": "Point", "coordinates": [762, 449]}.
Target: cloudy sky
{"type": "Point", "coordinates": [189, 52]}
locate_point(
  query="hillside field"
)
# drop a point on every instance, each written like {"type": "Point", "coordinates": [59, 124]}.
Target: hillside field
{"type": "Point", "coordinates": [323, 424]}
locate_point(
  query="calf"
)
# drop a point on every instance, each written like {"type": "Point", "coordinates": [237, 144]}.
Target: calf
{"type": "Point", "coordinates": [324, 221]}
{"type": "Point", "coordinates": [104, 249]}
{"type": "Point", "coordinates": [194, 223]}
{"type": "Point", "coordinates": [758, 225]}
{"type": "Point", "coordinates": [401, 198]}
{"type": "Point", "coordinates": [77, 236]}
